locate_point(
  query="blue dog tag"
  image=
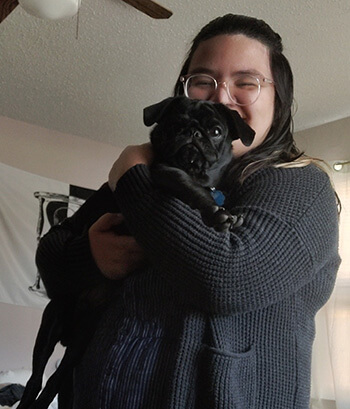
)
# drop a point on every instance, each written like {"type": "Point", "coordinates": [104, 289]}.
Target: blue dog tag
{"type": "Point", "coordinates": [218, 196]}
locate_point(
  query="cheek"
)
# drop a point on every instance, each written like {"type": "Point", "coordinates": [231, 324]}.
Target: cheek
{"type": "Point", "coordinates": [260, 119]}
{"type": "Point", "coordinates": [261, 125]}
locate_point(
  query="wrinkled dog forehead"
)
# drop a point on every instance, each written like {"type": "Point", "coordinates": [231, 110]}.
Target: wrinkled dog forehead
{"type": "Point", "coordinates": [198, 108]}
{"type": "Point", "coordinates": [201, 111]}
{"type": "Point", "coordinates": [176, 107]}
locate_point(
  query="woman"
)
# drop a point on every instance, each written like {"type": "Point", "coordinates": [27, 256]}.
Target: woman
{"type": "Point", "coordinates": [210, 320]}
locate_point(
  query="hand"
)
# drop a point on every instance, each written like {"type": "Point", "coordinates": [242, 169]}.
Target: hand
{"type": "Point", "coordinates": [116, 256]}
{"type": "Point", "coordinates": [132, 155]}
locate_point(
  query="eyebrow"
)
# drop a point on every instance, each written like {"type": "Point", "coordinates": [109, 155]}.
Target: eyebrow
{"type": "Point", "coordinates": [203, 70]}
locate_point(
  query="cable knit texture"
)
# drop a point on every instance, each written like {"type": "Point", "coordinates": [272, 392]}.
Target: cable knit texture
{"type": "Point", "coordinates": [218, 321]}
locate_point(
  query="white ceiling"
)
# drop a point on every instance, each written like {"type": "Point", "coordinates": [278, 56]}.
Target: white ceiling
{"type": "Point", "coordinates": [97, 85]}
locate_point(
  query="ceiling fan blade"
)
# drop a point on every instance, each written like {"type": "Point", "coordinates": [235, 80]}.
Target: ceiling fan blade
{"type": "Point", "coordinates": [150, 8]}
{"type": "Point", "coordinates": [6, 6]}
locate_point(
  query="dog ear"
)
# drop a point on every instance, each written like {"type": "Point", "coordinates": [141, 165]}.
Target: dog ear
{"type": "Point", "coordinates": [237, 125]}
{"type": "Point", "coordinates": [154, 113]}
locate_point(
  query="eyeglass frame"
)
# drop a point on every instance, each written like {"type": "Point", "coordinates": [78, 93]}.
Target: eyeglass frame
{"type": "Point", "coordinates": [184, 80]}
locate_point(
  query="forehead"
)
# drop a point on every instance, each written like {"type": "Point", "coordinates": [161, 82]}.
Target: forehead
{"type": "Point", "coordinates": [227, 54]}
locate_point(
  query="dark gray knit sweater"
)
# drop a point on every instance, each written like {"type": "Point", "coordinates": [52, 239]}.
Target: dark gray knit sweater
{"type": "Point", "coordinates": [221, 321]}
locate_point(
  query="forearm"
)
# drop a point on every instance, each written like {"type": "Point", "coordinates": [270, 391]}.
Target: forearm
{"type": "Point", "coordinates": [194, 258]}
{"type": "Point", "coordinates": [257, 264]}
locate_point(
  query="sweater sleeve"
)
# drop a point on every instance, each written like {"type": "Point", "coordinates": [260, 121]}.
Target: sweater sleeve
{"type": "Point", "coordinates": [279, 248]}
{"type": "Point", "coordinates": [63, 257]}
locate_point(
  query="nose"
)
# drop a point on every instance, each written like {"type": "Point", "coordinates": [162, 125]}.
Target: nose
{"type": "Point", "coordinates": [221, 95]}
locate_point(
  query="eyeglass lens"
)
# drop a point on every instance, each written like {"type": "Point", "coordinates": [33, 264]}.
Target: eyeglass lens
{"type": "Point", "coordinates": [243, 89]}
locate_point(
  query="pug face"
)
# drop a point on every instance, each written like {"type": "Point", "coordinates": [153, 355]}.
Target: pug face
{"type": "Point", "coordinates": [195, 136]}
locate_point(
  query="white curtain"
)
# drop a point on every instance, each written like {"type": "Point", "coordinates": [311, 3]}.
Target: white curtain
{"type": "Point", "coordinates": [331, 354]}
{"type": "Point", "coordinates": [22, 195]}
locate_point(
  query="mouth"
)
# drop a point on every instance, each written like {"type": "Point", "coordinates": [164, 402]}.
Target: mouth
{"type": "Point", "coordinates": [189, 148]}
{"type": "Point", "coordinates": [191, 155]}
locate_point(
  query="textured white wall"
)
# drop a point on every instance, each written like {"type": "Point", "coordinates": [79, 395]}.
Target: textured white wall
{"type": "Point", "coordinates": [67, 158]}
{"type": "Point", "coordinates": [329, 142]}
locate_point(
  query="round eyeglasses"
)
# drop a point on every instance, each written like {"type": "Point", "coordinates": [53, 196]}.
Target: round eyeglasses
{"type": "Point", "coordinates": [242, 89]}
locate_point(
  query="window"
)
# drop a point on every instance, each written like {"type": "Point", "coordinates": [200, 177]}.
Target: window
{"type": "Point", "coordinates": [331, 355]}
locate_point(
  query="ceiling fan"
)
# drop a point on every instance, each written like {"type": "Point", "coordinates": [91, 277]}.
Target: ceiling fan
{"type": "Point", "coordinates": [149, 7]}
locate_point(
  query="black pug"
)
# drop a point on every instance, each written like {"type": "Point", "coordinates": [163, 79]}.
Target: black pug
{"type": "Point", "coordinates": [192, 144]}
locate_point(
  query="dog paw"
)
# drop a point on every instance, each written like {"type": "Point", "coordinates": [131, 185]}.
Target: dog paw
{"type": "Point", "coordinates": [221, 219]}
{"type": "Point", "coordinates": [237, 221]}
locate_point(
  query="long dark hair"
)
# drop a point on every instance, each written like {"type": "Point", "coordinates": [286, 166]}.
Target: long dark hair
{"type": "Point", "coordinates": [279, 146]}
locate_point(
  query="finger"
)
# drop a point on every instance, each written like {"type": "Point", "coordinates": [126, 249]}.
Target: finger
{"type": "Point", "coordinates": [127, 243]}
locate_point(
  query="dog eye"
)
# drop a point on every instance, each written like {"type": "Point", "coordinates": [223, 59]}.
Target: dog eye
{"type": "Point", "coordinates": [215, 132]}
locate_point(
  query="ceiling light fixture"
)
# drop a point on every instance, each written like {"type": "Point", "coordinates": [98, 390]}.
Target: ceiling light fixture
{"type": "Point", "coordinates": [338, 166]}
{"type": "Point", "coordinates": [51, 9]}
